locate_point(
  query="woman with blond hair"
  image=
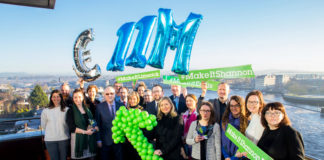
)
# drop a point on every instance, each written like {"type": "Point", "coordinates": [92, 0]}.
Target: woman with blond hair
{"type": "Point", "coordinates": [133, 101]}
{"type": "Point", "coordinates": [236, 116]}
{"type": "Point", "coordinates": [168, 131]}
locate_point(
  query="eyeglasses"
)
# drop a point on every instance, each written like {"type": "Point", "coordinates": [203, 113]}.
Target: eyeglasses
{"type": "Point", "coordinates": [205, 111]}
{"type": "Point", "coordinates": [253, 102]}
{"type": "Point", "coordinates": [107, 94]}
{"type": "Point", "coordinates": [276, 113]}
{"type": "Point", "coordinates": [237, 105]}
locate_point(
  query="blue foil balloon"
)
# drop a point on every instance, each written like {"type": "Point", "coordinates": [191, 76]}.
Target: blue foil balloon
{"type": "Point", "coordinates": [145, 26]}
{"type": "Point", "coordinates": [160, 46]}
{"type": "Point", "coordinates": [125, 34]}
{"type": "Point", "coordinates": [180, 37]}
{"type": "Point", "coordinates": [186, 33]}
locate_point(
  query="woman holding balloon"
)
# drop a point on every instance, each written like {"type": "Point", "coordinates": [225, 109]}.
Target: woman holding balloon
{"type": "Point", "coordinates": [133, 103]}
{"type": "Point", "coordinates": [168, 131]}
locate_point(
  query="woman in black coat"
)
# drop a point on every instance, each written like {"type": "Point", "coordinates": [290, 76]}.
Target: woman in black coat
{"type": "Point", "coordinates": [168, 131]}
{"type": "Point", "coordinates": [279, 140]}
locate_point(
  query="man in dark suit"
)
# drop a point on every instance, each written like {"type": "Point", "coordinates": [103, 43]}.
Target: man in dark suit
{"type": "Point", "coordinates": [105, 114]}
{"type": "Point", "coordinates": [218, 103]}
{"type": "Point", "coordinates": [152, 107]}
{"type": "Point", "coordinates": [178, 99]}
{"type": "Point", "coordinates": [123, 92]}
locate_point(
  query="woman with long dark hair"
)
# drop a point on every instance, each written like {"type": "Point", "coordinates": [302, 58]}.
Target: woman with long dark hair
{"type": "Point", "coordinates": [204, 134]}
{"type": "Point", "coordinates": [82, 127]}
{"type": "Point", "coordinates": [56, 130]}
{"type": "Point", "coordinates": [236, 116]}
{"type": "Point", "coordinates": [279, 140]}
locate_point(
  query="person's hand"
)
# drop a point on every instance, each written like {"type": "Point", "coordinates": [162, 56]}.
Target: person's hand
{"type": "Point", "coordinates": [238, 154]}
{"type": "Point", "coordinates": [81, 82]}
{"type": "Point", "coordinates": [158, 152]}
{"type": "Point", "coordinates": [199, 138]}
{"type": "Point", "coordinates": [134, 84]}
{"type": "Point", "coordinates": [184, 91]}
{"type": "Point", "coordinates": [227, 158]}
{"type": "Point", "coordinates": [99, 144]}
{"type": "Point", "coordinates": [244, 154]}
{"type": "Point", "coordinates": [183, 154]}
{"type": "Point", "coordinates": [203, 88]}
{"type": "Point", "coordinates": [89, 132]}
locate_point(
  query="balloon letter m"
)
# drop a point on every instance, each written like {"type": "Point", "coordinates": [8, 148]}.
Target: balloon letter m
{"type": "Point", "coordinates": [180, 37]}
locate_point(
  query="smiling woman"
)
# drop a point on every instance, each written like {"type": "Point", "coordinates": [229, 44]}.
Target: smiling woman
{"type": "Point", "coordinates": [279, 139]}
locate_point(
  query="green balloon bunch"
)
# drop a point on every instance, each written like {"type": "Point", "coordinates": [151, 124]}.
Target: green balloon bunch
{"type": "Point", "coordinates": [128, 123]}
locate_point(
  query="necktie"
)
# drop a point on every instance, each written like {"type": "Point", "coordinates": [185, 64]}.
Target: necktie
{"type": "Point", "coordinates": [112, 110]}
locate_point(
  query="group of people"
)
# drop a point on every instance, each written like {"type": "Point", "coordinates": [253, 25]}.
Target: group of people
{"type": "Point", "coordinates": [187, 127]}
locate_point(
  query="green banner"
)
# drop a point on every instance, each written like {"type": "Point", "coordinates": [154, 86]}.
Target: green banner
{"type": "Point", "coordinates": [172, 80]}
{"type": "Point", "coordinates": [244, 71]}
{"type": "Point", "coordinates": [245, 145]}
{"type": "Point", "coordinates": [137, 76]}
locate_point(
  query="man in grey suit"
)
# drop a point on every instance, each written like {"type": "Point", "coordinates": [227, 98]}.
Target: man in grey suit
{"type": "Point", "coordinates": [218, 103]}
{"type": "Point", "coordinates": [152, 107]}
{"type": "Point", "coordinates": [105, 114]}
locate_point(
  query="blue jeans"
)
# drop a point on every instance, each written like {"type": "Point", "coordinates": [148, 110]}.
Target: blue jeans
{"type": "Point", "coordinates": [57, 149]}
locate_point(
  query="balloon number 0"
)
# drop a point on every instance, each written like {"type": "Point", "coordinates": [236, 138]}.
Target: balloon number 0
{"type": "Point", "coordinates": [168, 35]}
{"type": "Point", "coordinates": [128, 123]}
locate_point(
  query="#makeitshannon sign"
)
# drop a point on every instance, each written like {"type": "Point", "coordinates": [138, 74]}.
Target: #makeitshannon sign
{"type": "Point", "coordinates": [137, 76]}
{"type": "Point", "coordinates": [244, 71]}
{"type": "Point", "coordinates": [172, 80]}
{"type": "Point", "coordinates": [245, 145]}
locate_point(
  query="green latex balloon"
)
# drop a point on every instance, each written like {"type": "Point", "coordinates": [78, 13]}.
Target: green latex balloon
{"type": "Point", "coordinates": [128, 123]}
{"type": "Point", "coordinates": [141, 125]}
{"type": "Point", "coordinates": [149, 128]}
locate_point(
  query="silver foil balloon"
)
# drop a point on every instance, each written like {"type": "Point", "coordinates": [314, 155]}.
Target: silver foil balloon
{"type": "Point", "coordinates": [79, 53]}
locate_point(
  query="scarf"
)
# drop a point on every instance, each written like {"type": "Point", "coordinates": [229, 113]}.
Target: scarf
{"type": "Point", "coordinates": [230, 147]}
{"type": "Point", "coordinates": [204, 130]}
{"type": "Point", "coordinates": [82, 141]}
{"type": "Point", "coordinates": [187, 120]}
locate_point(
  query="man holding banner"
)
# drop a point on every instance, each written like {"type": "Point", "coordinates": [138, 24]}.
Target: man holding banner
{"type": "Point", "coordinates": [178, 99]}
{"type": "Point", "coordinates": [218, 103]}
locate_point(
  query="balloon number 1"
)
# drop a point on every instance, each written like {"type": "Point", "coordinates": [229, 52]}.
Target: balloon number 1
{"type": "Point", "coordinates": [128, 123]}
{"type": "Point", "coordinates": [168, 35]}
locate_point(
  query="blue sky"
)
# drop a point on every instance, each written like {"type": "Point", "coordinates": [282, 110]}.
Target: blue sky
{"type": "Point", "coordinates": [269, 34]}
